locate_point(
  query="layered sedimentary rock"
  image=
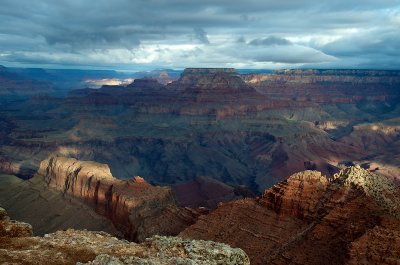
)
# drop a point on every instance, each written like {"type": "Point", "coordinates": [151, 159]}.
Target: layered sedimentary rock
{"type": "Point", "coordinates": [212, 84]}
{"type": "Point", "coordinates": [328, 86]}
{"type": "Point", "coordinates": [220, 92]}
{"type": "Point", "coordinates": [297, 196]}
{"type": "Point", "coordinates": [224, 93]}
{"type": "Point", "coordinates": [191, 76]}
{"type": "Point", "coordinates": [136, 208]}
{"type": "Point", "coordinates": [310, 220]}
{"type": "Point", "coordinates": [17, 246]}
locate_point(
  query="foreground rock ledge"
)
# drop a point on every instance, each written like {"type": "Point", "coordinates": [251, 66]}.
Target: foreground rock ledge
{"type": "Point", "coordinates": [10, 228]}
{"type": "Point", "coordinates": [85, 247]}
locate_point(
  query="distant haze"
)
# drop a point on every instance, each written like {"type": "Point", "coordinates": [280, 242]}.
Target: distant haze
{"type": "Point", "coordinates": [141, 34]}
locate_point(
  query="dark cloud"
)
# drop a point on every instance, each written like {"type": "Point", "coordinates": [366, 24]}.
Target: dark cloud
{"type": "Point", "coordinates": [159, 33]}
{"type": "Point", "coordinates": [373, 42]}
{"type": "Point", "coordinates": [201, 35]}
{"type": "Point", "coordinates": [272, 40]}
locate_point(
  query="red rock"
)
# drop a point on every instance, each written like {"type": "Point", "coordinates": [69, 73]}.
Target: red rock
{"type": "Point", "coordinates": [137, 209]}
{"type": "Point", "coordinates": [138, 179]}
{"type": "Point", "coordinates": [379, 245]}
{"type": "Point", "coordinates": [308, 220]}
{"type": "Point", "coordinates": [298, 196]}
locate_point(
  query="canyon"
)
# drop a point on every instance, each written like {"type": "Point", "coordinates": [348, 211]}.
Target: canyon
{"type": "Point", "coordinates": [214, 123]}
{"type": "Point", "coordinates": [287, 165]}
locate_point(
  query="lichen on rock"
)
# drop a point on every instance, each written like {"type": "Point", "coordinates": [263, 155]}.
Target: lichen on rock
{"type": "Point", "coordinates": [17, 246]}
{"type": "Point", "coordinates": [377, 187]}
{"type": "Point", "coordinates": [161, 250]}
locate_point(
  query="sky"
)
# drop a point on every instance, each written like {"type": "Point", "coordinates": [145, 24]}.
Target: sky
{"type": "Point", "coordinates": [133, 35]}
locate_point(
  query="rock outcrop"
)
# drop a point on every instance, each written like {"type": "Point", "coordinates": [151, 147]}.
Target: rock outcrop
{"type": "Point", "coordinates": [10, 228]}
{"type": "Point", "coordinates": [17, 246]}
{"type": "Point", "coordinates": [381, 189]}
{"type": "Point", "coordinates": [136, 208]}
{"type": "Point", "coordinates": [309, 219]}
{"type": "Point", "coordinates": [297, 196]}
{"type": "Point", "coordinates": [209, 85]}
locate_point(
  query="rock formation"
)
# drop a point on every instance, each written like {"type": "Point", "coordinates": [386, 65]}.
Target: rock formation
{"type": "Point", "coordinates": [13, 84]}
{"type": "Point", "coordinates": [9, 228]}
{"type": "Point", "coordinates": [297, 196]}
{"type": "Point", "coordinates": [381, 189]}
{"type": "Point", "coordinates": [17, 246]}
{"type": "Point", "coordinates": [136, 208]}
{"type": "Point", "coordinates": [48, 211]}
{"type": "Point", "coordinates": [328, 86]}
{"type": "Point", "coordinates": [309, 219]}
{"type": "Point", "coordinates": [209, 79]}
{"type": "Point", "coordinates": [199, 91]}
{"type": "Point", "coordinates": [144, 85]}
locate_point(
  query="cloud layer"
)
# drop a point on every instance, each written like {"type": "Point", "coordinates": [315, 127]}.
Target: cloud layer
{"type": "Point", "coordinates": [144, 34]}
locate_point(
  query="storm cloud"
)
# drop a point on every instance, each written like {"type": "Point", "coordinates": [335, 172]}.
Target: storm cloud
{"type": "Point", "coordinates": [134, 35]}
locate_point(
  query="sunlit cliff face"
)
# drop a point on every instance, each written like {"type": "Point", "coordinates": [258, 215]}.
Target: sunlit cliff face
{"type": "Point", "coordinates": [96, 83]}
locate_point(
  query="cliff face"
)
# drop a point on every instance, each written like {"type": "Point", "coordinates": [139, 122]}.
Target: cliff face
{"type": "Point", "coordinates": [32, 201]}
{"type": "Point", "coordinates": [310, 220]}
{"type": "Point", "coordinates": [17, 246]}
{"type": "Point", "coordinates": [135, 207]}
{"type": "Point", "coordinates": [328, 86]}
